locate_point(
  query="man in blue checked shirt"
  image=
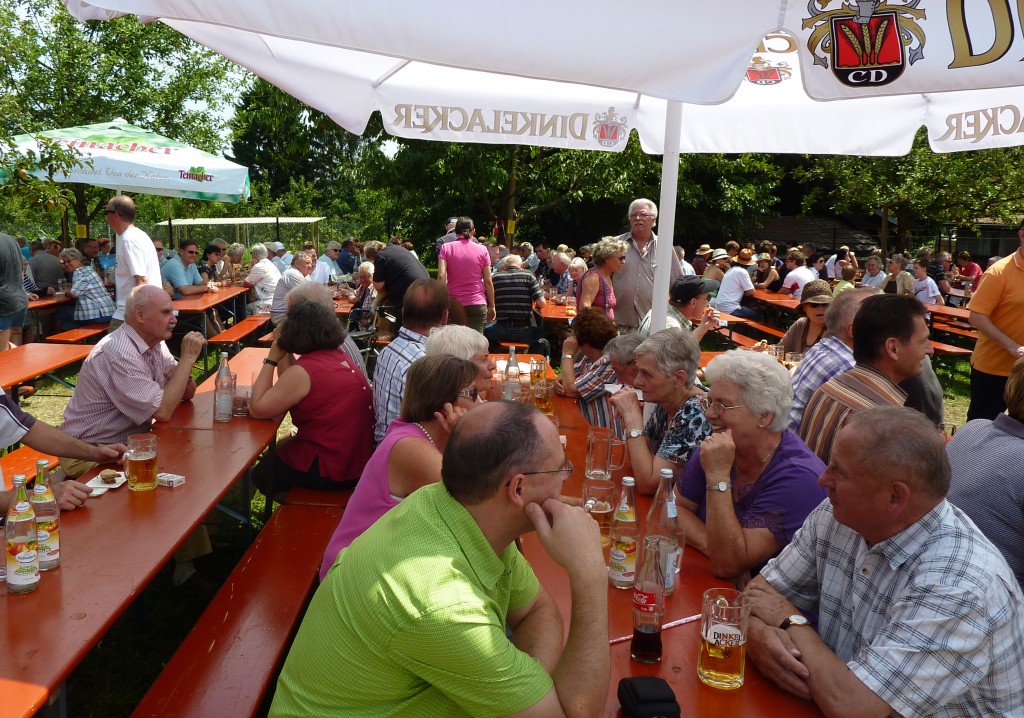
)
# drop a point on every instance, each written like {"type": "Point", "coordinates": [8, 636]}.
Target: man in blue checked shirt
{"type": "Point", "coordinates": [918, 612]}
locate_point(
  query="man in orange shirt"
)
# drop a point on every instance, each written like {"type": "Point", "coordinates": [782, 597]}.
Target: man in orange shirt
{"type": "Point", "coordinates": [997, 311]}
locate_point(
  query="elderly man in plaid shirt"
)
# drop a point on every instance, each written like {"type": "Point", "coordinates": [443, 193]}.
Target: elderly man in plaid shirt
{"type": "Point", "coordinates": [918, 612]}
{"type": "Point", "coordinates": [93, 303]}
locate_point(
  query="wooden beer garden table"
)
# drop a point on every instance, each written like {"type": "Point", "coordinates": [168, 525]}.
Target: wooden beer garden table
{"type": "Point", "coordinates": [199, 303]}
{"type": "Point", "coordinates": [116, 543]}
{"type": "Point", "coordinates": [48, 301]}
{"type": "Point", "coordinates": [555, 313]}
{"type": "Point", "coordinates": [758, 697]}
{"type": "Point", "coordinates": [30, 361]}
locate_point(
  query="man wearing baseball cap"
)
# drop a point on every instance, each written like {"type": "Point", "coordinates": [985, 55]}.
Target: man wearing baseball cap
{"type": "Point", "coordinates": [449, 236]}
{"type": "Point", "coordinates": [687, 307]}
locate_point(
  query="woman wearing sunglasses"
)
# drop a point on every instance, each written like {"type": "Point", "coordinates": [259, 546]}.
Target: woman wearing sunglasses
{"type": "Point", "coordinates": [439, 390]}
{"type": "Point", "coordinates": [750, 485]}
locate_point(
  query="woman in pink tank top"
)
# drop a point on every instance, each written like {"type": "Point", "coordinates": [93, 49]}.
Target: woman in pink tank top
{"type": "Point", "coordinates": [439, 390]}
{"type": "Point", "coordinates": [596, 288]}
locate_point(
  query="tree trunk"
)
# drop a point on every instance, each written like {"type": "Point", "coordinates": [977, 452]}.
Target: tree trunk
{"type": "Point", "coordinates": [883, 234]}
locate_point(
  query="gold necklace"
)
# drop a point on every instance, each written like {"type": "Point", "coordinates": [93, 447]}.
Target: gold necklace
{"type": "Point", "coordinates": [764, 463]}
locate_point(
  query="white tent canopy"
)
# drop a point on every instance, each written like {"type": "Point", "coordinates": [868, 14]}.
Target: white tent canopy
{"type": "Point", "coordinates": [583, 75]}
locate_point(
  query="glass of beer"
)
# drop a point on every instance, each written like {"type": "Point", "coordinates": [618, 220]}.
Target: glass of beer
{"type": "Point", "coordinates": [599, 502]}
{"type": "Point", "coordinates": [538, 370]}
{"type": "Point", "coordinates": [723, 642]}
{"type": "Point", "coordinates": [141, 464]}
{"type": "Point", "coordinates": [544, 395]}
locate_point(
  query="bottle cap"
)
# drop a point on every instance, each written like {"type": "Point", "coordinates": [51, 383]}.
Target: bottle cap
{"type": "Point", "coordinates": [666, 473]}
{"type": "Point", "coordinates": [18, 480]}
{"type": "Point", "coordinates": [628, 481]}
{"type": "Point", "coordinates": [42, 464]}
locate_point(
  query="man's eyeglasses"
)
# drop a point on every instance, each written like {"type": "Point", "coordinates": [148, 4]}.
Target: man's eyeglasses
{"type": "Point", "coordinates": [191, 251]}
{"type": "Point", "coordinates": [470, 393]}
{"type": "Point", "coordinates": [566, 470]}
{"type": "Point", "coordinates": [641, 215]}
{"type": "Point", "coordinates": [719, 408]}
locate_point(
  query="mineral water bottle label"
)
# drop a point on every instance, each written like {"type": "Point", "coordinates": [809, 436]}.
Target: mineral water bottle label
{"type": "Point", "coordinates": [625, 512]}
{"type": "Point", "coordinates": [669, 569]}
{"type": "Point", "coordinates": [645, 601]}
{"type": "Point", "coordinates": [22, 563]}
{"type": "Point", "coordinates": [622, 560]}
{"type": "Point", "coordinates": [48, 537]}
{"type": "Point", "coordinates": [21, 507]}
{"type": "Point", "coordinates": [670, 509]}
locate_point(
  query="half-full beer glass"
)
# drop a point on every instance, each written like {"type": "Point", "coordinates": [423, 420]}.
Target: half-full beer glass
{"type": "Point", "coordinates": [141, 463]}
{"type": "Point", "coordinates": [723, 638]}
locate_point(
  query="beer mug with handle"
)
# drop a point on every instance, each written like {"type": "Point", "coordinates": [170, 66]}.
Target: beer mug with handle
{"type": "Point", "coordinates": [601, 448]}
{"type": "Point", "coordinates": [723, 642]}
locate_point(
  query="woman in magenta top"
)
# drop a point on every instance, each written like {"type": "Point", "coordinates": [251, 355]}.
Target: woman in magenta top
{"type": "Point", "coordinates": [439, 390]}
{"type": "Point", "coordinates": [967, 268]}
{"type": "Point", "coordinates": [330, 401]}
{"type": "Point", "coordinates": [596, 288]}
{"type": "Point", "coordinates": [465, 267]}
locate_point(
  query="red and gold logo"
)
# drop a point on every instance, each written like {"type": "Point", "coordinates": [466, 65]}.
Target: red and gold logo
{"type": "Point", "coordinates": [870, 42]}
{"type": "Point", "coordinates": [763, 72]}
{"type": "Point", "coordinates": [610, 128]}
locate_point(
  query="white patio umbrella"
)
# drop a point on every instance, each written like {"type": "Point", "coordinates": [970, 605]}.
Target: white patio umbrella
{"type": "Point", "coordinates": [127, 158]}
{"type": "Point", "coordinates": [583, 76]}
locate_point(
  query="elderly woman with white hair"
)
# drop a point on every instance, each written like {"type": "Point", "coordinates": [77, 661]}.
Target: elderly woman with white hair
{"type": "Point", "coordinates": [464, 343]}
{"type": "Point", "coordinates": [751, 484]}
{"type": "Point", "coordinates": [262, 278]}
{"type": "Point", "coordinates": [666, 367]}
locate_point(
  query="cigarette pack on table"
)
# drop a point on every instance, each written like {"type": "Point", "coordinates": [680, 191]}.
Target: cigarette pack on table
{"type": "Point", "coordinates": [169, 480]}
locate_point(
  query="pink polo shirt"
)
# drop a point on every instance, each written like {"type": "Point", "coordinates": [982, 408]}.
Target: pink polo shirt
{"type": "Point", "coordinates": [466, 261]}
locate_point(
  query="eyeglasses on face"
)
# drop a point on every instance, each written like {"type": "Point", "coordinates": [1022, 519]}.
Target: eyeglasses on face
{"type": "Point", "coordinates": [470, 393]}
{"type": "Point", "coordinates": [641, 215]}
{"type": "Point", "coordinates": [719, 408]}
{"type": "Point", "coordinates": [622, 258]}
{"type": "Point", "coordinates": [191, 251]}
{"type": "Point", "coordinates": [110, 211]}
{"type": "Point", "coordinates": [566, 470]}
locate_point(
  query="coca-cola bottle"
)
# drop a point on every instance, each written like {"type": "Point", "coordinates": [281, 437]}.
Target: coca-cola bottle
{"type": "Point", "coordinates": [663, 522]}
{"type": "Point", "coordinates": [649, 602]}
{"type": "Point", "coordinates": [625, 535]}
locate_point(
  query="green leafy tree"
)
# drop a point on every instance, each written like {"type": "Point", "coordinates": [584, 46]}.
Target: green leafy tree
{"type": "Point", "coordinates": [922, 187]}
{"type": "Point", "coordinates": [57, 72]}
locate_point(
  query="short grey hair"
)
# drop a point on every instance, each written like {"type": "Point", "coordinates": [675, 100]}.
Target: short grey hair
{"type": "Point", "coordinates": [673, 349]}
{"type": "Point", "coordinates": [646, 204]}
{"type": "Point", "coordinates": [509, 259]}
{"type": "Point", "coordinates": [909, 441]}
{"type": "Point", "coordinates": [219, 243]}
{"type": "Point", "coordinates": [622, 349]}
{"type": "Point", "coordinates": [70, 253]}
{"type": "Point", "coordinates": [607, 248]}
{"type": "Point", "coordinates": [900, 260]}
{"type": "Point", "coordinates": [332, 245]}
{"type": "Point", "coordinates": [365, 267]}
{"type": "Point", "coordinates": [580, 263]}
{"type": "Point", "coordinates": [309, 292]}
{"type": "Point", "coordinates": [459, 341]}
{"type": "Point", "coordinates": [258, 252]}
{"type": "Point", "coordinates": [236, 250]}
{"type": "Point", "coordinates": [843, 309]}
{"type": "Point", "coordinates": [765, 385]}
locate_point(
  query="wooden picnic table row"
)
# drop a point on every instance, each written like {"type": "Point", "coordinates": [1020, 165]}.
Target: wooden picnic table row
{"type": "Point", "coordinates": [113, 547]}
{"type": "Point", "coordinates": [758, 696]}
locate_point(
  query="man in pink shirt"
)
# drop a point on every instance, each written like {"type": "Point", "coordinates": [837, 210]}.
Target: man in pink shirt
{"type": "Point", "coordinates": [465, 267]}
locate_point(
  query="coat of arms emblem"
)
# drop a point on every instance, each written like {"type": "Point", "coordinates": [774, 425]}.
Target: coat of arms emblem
{"type": "Point", "coordinates": [763, 72]}
{"type": "Point", "coordinates": [610, 128]}
{"type": "Point", "coordinates": [868, 41]}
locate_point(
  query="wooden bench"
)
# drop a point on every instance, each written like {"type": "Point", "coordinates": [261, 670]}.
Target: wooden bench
{"type": "Point", "coordinates": [766, 329]}
{"type": "Point", "coordinates": [236, 334]}
{"type": "Point", "coordinates": [77, 336]}
{"type": "Point", "coordinates": [520, 347]}
{"type": "Point", "coordinates": [230, 657]}
{"type": "Point", "coordinates": [266, 340]}
{"type": "Point", "coordinates": [23, 461]}
{"type": "Point", "coordinates": [950, 349]}
{"type": "Point", "coordinates": [957, 328]}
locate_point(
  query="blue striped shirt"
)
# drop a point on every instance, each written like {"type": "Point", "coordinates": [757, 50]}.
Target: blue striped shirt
{"type": "Point", "coordinates": [826, 359]}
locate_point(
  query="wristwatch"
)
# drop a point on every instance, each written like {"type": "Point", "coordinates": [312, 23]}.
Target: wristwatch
{"type": "Point", "coordinates": [722, 486]}
{"type": "Point", "coordinates": [567, 356]}
{"type": "Point", "coordinates": [795, 620]}
{"type": "Point", "coordinates": [271, 362]}
{"type": "Point", "coordinates": [634, 433]}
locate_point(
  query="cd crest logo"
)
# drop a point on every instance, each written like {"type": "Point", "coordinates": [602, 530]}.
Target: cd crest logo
{"type": "Point", "coordinates": [869, 41]}
{"type": "Point", "coordinates": [610, 128]}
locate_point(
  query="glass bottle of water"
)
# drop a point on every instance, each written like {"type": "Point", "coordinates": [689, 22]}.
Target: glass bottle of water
{"type": "Point", "coordinates": [47, 519]}
{"type": "Point", "coordinates": [663, 523]}
{"type": "Point", "coordinates": [224, 391]}
{"type": "Point", "coordinates": [512, 386]}
{"type": "Point", "coordinates": [22, 554]}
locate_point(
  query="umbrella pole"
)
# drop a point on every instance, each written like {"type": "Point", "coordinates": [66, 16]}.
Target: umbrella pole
{"type": "Point", "coordinates": [667, 214]}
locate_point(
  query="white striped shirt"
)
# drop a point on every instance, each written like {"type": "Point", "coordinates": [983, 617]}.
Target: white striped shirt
{"type": "Point", "coordinates": [119, 388]}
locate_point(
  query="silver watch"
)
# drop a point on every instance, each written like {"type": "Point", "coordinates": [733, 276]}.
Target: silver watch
{"type": "Point", "coordinates": [634, 433]}
{"type": "Point", "coordinates": [722, 486]}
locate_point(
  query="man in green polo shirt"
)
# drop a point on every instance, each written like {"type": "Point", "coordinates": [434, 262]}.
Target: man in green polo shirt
{"type": "Point", "coordinates": [413, 618]}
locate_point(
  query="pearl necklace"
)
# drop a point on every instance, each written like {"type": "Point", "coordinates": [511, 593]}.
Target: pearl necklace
{"type": "Point", "coordinates": [427, 433]}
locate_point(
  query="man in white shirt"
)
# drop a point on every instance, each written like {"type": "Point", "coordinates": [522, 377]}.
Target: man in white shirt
{"type": "Point", "coordinates": [137, 263]}
{"type": "Point", "coordinates": [302, 265]}
{"type": "Point", "coordinates": [263, 278]}
{"type": "Point", "coordinates": [276, 253]}
{"type": "Point", "coordinates": [736, 284]}
{"type": "Point", "coordinates": [798, 275]}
